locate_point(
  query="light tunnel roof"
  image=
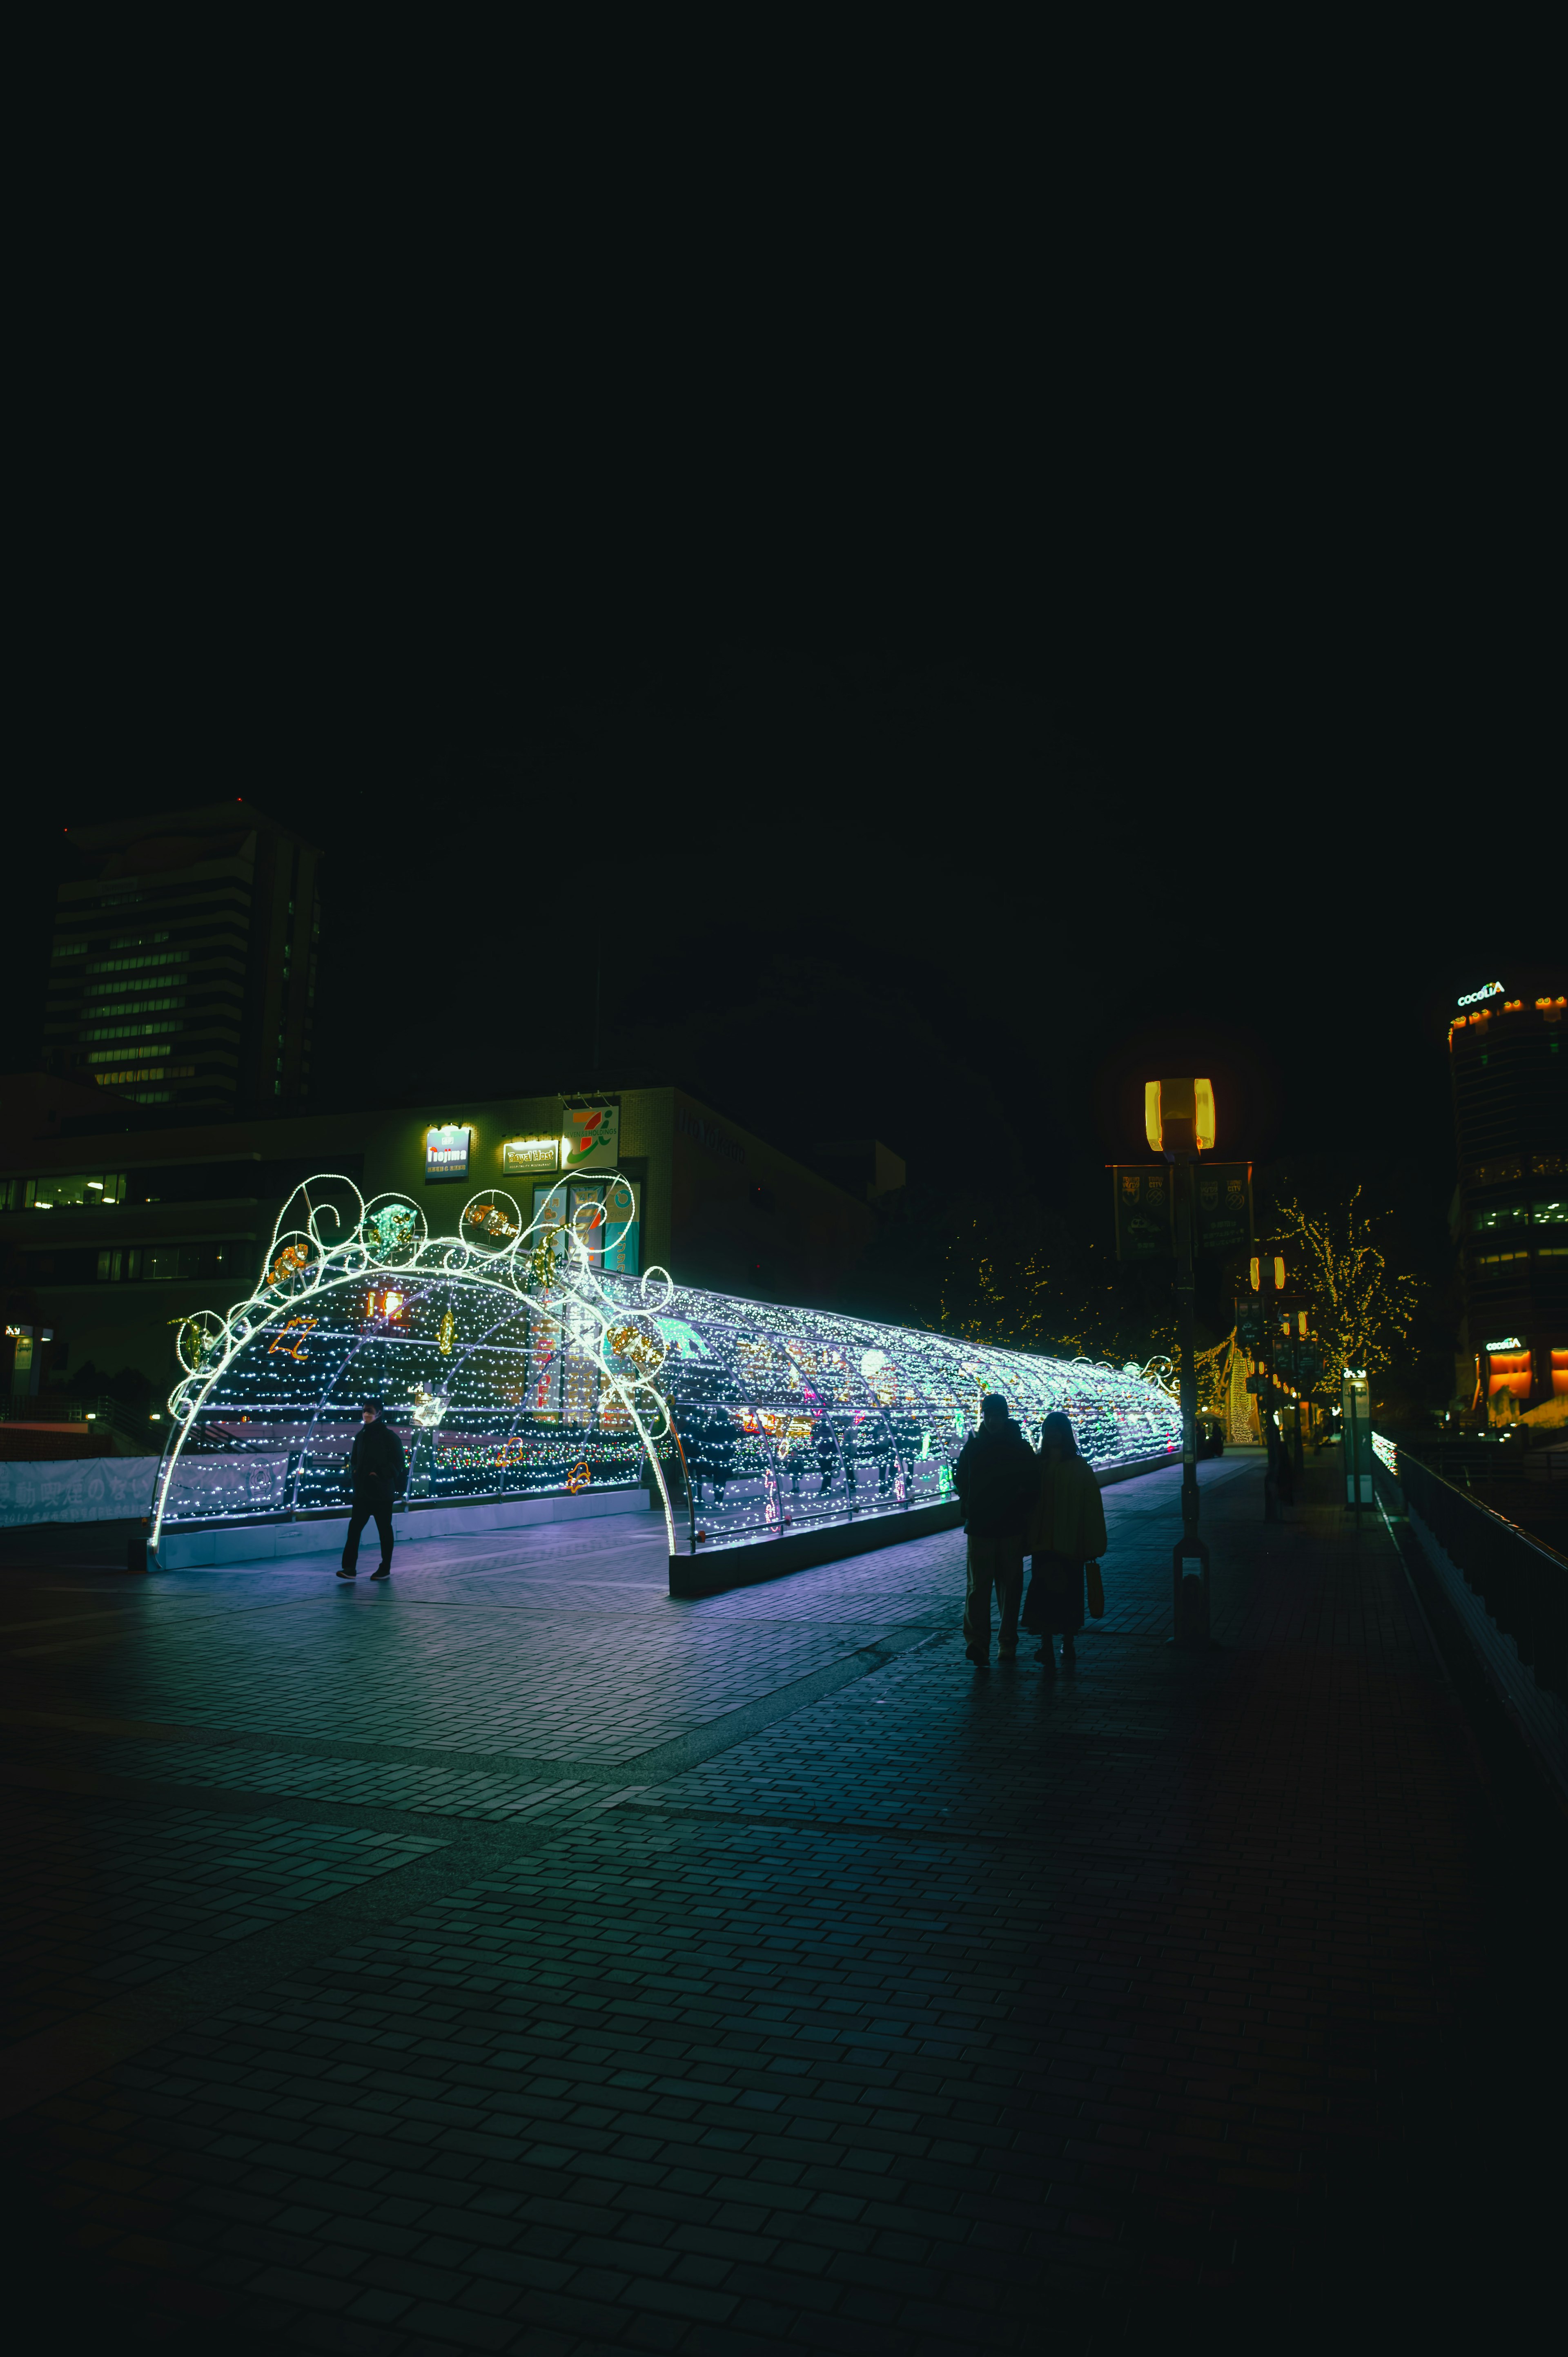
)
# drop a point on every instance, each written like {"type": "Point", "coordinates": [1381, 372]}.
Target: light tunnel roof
{"type": "Point", "coordinates": [514, 1365]}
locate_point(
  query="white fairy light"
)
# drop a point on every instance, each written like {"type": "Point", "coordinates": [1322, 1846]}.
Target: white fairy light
{"type": "Point", "coordinates": [519, 1366]}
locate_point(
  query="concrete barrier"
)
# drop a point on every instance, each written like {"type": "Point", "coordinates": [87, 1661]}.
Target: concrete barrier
{"type": "Point", "coordinates": [211, 1545]}
{"type": "Point", "coordinates": [715, 1569]}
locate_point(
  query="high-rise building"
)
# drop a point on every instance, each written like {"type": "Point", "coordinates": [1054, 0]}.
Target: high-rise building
{"type": "Point", "coordinates": [183, 966]}
{"type": "Point", "coordinates": [1509, 1054]}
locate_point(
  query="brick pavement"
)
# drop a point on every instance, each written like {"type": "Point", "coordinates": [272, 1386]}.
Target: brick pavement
{"type": "Point", "coordinates": [534, 1963]}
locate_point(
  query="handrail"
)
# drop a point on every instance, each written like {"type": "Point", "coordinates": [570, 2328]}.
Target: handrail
{"type": "Point", "coordinates": [1522, 1581]}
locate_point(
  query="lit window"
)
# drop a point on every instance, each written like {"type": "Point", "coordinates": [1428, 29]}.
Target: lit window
{"type": "Point", "coordinates": [1498, 1216]}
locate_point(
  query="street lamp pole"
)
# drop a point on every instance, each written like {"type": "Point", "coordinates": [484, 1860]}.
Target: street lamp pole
{"type": "Point", "coordinates": [1185, 1291]}
{"type": "Point", "coordinates": [1178, 1116]}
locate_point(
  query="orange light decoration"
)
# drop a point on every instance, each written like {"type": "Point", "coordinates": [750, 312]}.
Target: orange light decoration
{"type": "Point", "coordinates": [296, 1327]}
{"type": "Point", "coordinates": [1257, 1274]}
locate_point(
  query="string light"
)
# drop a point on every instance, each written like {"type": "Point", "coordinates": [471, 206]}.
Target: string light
{"type": "Point", "coordinates": [517, 1365]}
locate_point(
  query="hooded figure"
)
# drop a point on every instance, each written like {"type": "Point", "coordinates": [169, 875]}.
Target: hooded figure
{"type": "Point", "coordinates": [1066, 1531]}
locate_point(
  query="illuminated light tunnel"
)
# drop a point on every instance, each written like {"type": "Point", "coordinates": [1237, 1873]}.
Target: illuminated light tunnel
{"type": "Point", "coordinates": [520, 1372]}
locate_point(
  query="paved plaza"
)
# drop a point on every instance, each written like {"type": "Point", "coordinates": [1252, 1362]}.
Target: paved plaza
{"type": "Point", "coordinates": [511, 1957]}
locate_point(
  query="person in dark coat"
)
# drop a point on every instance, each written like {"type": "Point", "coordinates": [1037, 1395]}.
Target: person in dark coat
{"type": "Point", "coordinates": [1066, 1530]}
{"type": "Point", "coordinates": [379, 1471]}
{"type": "Point", "coordinates": [998, 1479]}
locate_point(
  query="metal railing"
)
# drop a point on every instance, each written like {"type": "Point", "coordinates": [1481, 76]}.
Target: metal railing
{"type": "Point", "coordinates": [101, 1415]}
{"type": "Point", "coordinates": [1522, 1582]}
{"type": "Point", "coordinates": [1471, 1464]}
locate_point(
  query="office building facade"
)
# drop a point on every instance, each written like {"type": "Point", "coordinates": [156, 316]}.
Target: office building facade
{"type": "Point", "coordinates": [110, 1240]}
{"type": "Point", "coordinates": [1508, 1060]}
{"type": "Point", "coordinates": [182, 969]}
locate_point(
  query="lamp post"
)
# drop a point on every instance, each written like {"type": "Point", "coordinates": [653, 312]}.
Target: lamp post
{"type": "Point", "coordinates": [1268, 1274]}
{"type": "Point", "coordinates": [1178, 1116]}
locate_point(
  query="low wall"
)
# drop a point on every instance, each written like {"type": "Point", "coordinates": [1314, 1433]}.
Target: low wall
{"type": "Point", "coordinates": [76, 1489]}
{"type": "Point", "coordinates": [712, 1570]}
{"type": "Point", "coordinates": [210, 1545]}
{"type": "Point", "coordinates": [1541, 1716]}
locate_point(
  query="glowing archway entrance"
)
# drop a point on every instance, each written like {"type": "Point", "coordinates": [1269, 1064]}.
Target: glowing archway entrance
{"type": "Point", "coordinates": [500, 1352]}
{"type": "Point", "coordinates": [517, 1369]}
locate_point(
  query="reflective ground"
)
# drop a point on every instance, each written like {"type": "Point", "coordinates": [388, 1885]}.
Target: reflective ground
{"type": "Point", "coordinates": [511, 1957]}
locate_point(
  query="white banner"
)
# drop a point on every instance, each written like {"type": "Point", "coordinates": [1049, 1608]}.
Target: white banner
{"type": "Point", "coordinates": [77, 1489]}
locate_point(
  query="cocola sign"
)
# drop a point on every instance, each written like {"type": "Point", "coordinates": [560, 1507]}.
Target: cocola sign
{"type": "Point", "coordinates": [1492, 990]}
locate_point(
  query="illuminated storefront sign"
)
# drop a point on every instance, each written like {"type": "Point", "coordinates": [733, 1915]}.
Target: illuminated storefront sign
{"type": "Point", "coordinates": [605, 1219]}
{"type": "Point", "coordinates": [623, 1217]}
{"type": "Point", "coordinates": [1492, 990]}
{"type": "Point", "coordinates": [592, 1137]}
{"type": "Point", "coordinates": [447, 1152]}
{"type": "Point", "coordinates": [529, 1153]}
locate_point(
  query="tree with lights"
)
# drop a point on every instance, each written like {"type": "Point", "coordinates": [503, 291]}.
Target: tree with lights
{"type": "Point", "coordinates": [1362, 1311]}
{"type": "Point", "coordinates": [1025, 1282]}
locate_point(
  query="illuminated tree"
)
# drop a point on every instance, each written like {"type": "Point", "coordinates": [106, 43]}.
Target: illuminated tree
{"type": "Point", "coordinates": [1027, 1283]}
{"type": "Point", "coordinates": [1362, 1311]}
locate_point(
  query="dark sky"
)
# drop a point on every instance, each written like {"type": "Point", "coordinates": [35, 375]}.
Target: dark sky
{"type": "Point", "coordinates": [909, 771]}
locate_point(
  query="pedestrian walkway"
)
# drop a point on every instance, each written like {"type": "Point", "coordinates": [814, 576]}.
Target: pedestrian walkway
{"type": "Point", "coordinates": [515, 1958]}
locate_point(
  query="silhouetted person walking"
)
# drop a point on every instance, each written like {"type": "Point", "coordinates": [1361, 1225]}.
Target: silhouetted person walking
{"type": "Point", "coordinates": [379, 1471]}
{"type": "Point", "coordinates": [1066, 1530]}
{"type": "Point", "coordinates": [998, 1477]}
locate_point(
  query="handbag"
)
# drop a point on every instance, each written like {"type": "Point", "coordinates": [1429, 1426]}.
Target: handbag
{"type": "Point", "coordinates": [1095, 1587]}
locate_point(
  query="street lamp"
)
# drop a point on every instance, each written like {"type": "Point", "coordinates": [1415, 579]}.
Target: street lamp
{"type": "Point", "coordinates": [1178, 1116]}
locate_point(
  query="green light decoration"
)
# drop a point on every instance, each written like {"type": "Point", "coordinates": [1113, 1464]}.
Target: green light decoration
{"type": "Point", "coordinates": [515, 1365]}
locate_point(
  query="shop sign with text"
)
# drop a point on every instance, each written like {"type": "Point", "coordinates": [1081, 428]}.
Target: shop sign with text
{"type": "Point", "coordinates": [447, 1152]}
{"type": "Point", "coordinates": [529, 1153]}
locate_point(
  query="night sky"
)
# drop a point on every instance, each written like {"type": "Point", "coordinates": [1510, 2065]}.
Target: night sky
{"type": "Point", "coordinates": [950, 823]}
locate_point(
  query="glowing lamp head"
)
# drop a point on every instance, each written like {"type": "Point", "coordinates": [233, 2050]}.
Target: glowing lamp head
{"type": "Point", "coordinates": [1178, 1116]}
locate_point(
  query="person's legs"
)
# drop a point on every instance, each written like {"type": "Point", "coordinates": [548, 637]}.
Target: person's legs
{"type": "Point", "coordinates": [1073, 1616]}
{"type": "Point", "coordinates": [1009, 1594]}
{"type": "Point", "coordinates": [356, 1520]}
{"type": "Point", "coordinates": [384, 1533]}
{"type": "Point", "coordinates": [981, 1569]}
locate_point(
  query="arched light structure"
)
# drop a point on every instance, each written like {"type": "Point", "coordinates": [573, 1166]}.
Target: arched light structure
{"type": "Point", "coordinates": [515, 1366]}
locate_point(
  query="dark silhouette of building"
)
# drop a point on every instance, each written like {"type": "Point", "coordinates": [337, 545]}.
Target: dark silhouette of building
{"type": "Point", "coordinates": [182, 971]}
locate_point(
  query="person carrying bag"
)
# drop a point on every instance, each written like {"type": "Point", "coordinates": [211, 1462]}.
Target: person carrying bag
{"type": "Point", "coordinates": [1065, 1534]}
